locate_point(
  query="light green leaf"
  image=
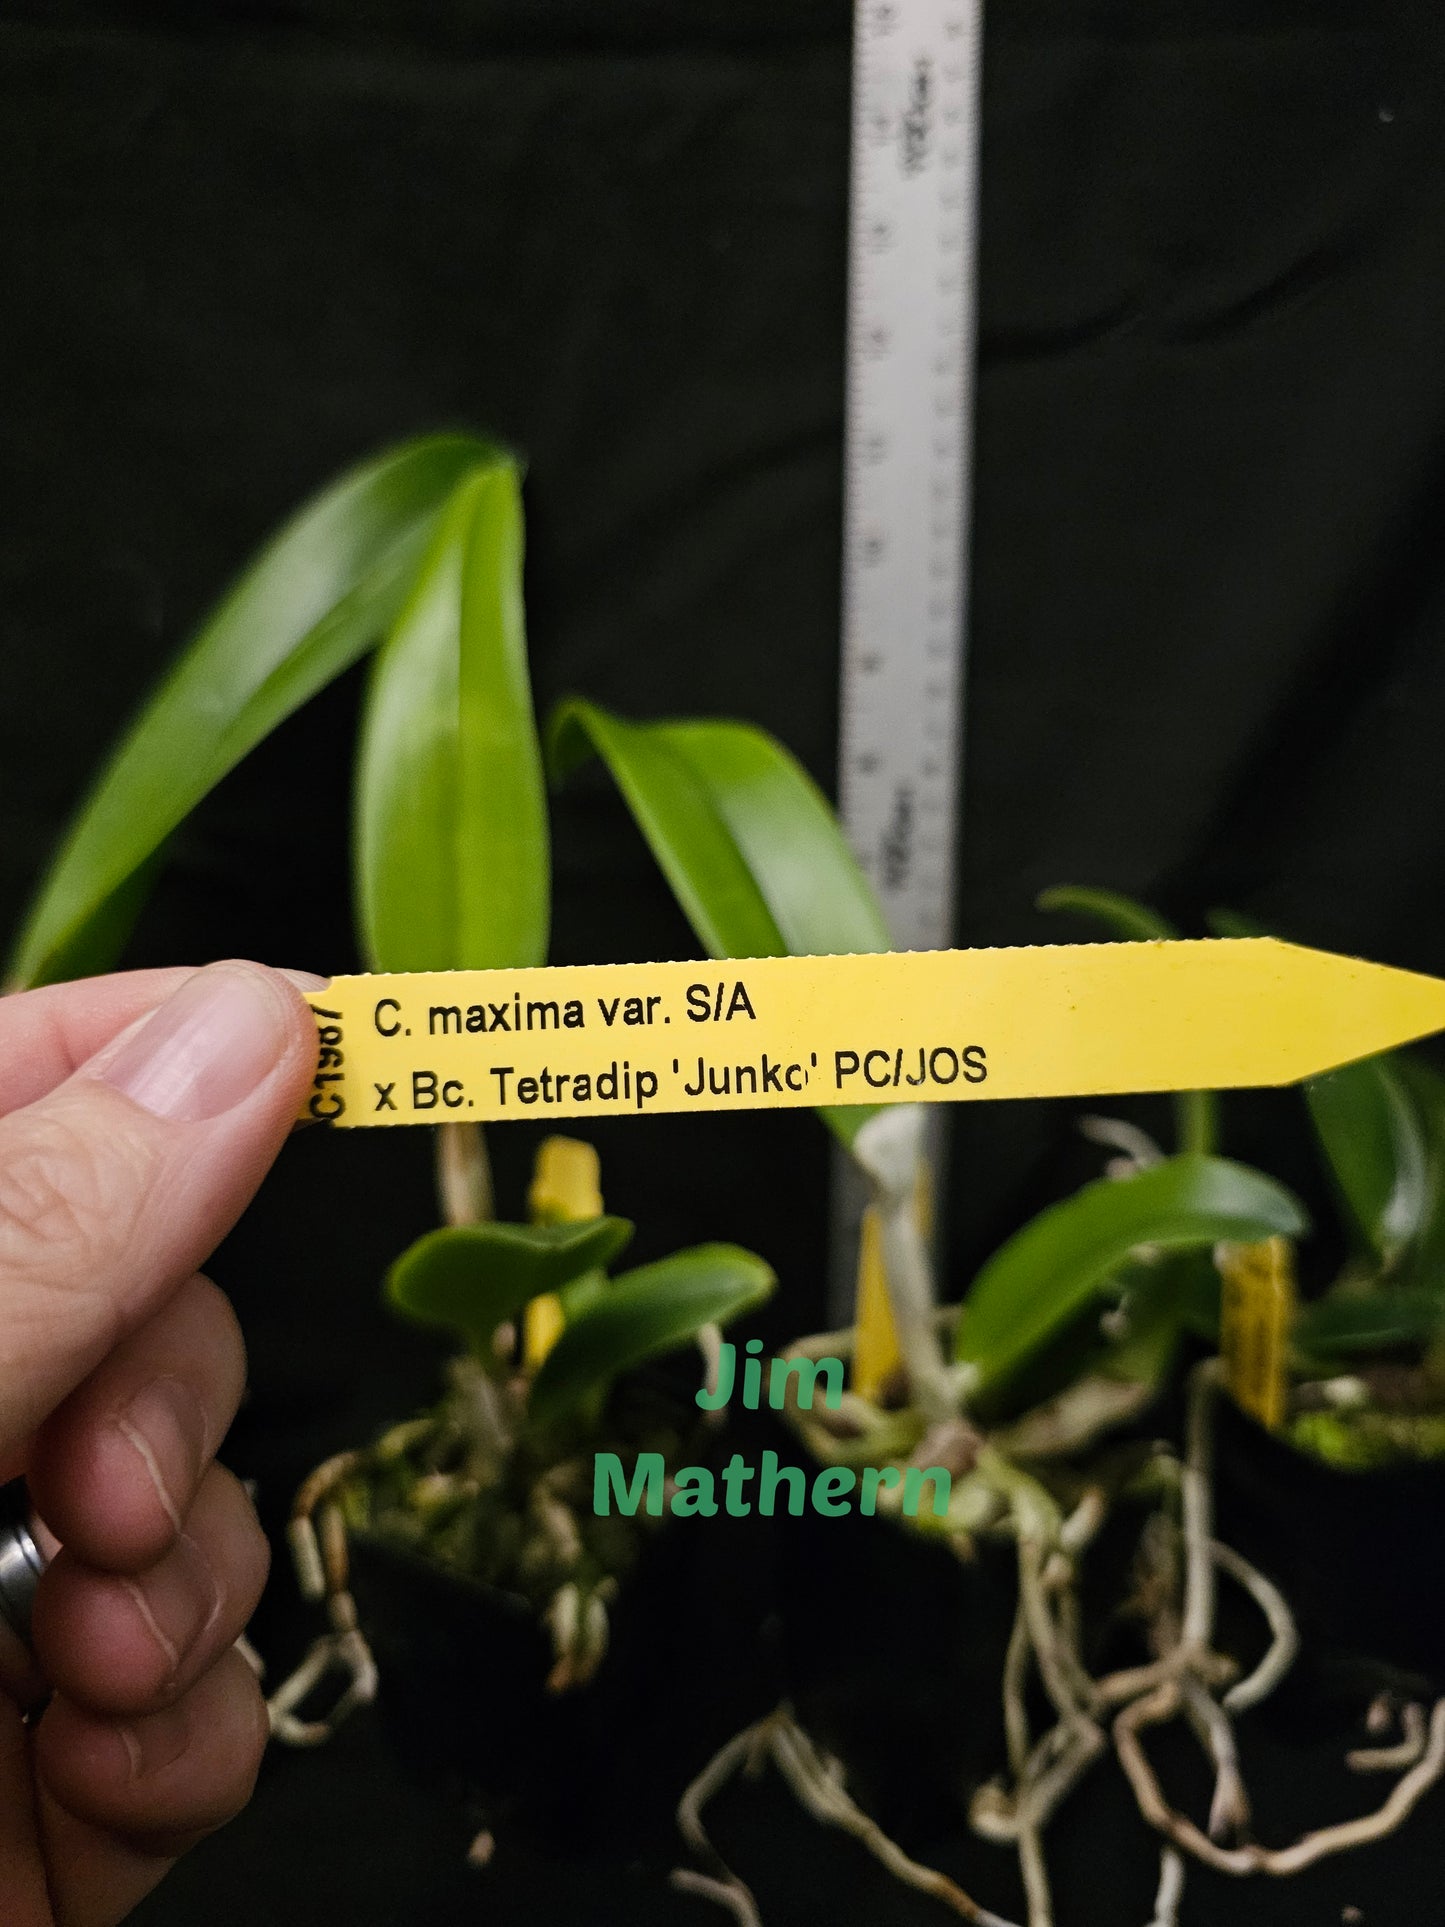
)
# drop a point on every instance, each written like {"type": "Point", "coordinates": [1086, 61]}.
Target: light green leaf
{"type": "Point", "coordinates": [1065, 1255]}
{"type": "Point", "coordinates": [468, 1279]}
{"type": "Point", "coordinates": [1373, 1143]}
{"type": "Point", "coordinates": [684, 828]}
{"type": "Point", "coordinates": [748, 843]}
{"type": "Point", "coordinates": [451, 846]}
{"type": "Point", "coordinates": [318, 596]}
{"type": "Point", "coordinates": [1348, 1324]}
{"type": "Point", "coordinates": [1196, 1113]}
{"type": "Point", "coordinates": [645, 1312]}
{"type": "Point", "coordinates": [788, 836]}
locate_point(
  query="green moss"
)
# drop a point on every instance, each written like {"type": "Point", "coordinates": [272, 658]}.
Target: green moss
{"type": "Point", "coordinates": [1361, 1440]}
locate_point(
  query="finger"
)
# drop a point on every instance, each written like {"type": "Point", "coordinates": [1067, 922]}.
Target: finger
{"type": "Point", "coordinates": [113, 1472]}
{"type": "Point", "coordinates": [13, 1460]}
{"type": "Point", "coordinates": [128, 1643]}
{"type": "Point", "coordinates": [46, 1035]}
{"type": "Point", "coordinates": [23, 1686]}
{"type": "Point", "coordinates": [23, 1898]}
{"type": "Point", "coordinates": [118, 1800]}
{"type": "Point", "coordinates": [116, 1185]}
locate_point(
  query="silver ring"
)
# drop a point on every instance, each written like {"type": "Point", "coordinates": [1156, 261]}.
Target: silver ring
{"type": "Point", "coordinates": [21, 1560]}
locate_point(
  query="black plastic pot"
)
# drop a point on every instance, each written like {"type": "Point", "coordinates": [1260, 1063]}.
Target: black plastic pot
{"type": "Point", "coordinates": [894, 1647]}
{"type": "Point", "coordinates": [891, 1650]}
{"type": "Point", "coordinates": [463, 1668]}
{"type": "Point", "coordinates": [1360, 1556]}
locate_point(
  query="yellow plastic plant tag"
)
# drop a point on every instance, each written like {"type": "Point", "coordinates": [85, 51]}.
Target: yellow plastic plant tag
{"type": "Point", "coordinates": [1257, 1302]}
{"type": "Point", "coordinates": [566, 1187]}
{"type": "Point", "coordinates": [566, 1183]}
{"type": "Point", "coordinates": [542, 1325]}
{"type": "Point", "coordinates": [928, 1026]}
{"type": "Point", "coordinates": [876, 1354]}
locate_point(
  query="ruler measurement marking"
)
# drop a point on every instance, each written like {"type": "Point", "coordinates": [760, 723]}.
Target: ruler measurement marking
{"type": "Point", "coordinates": [910, 334]}
{"type": "Point", "coordinates": [908, 441]}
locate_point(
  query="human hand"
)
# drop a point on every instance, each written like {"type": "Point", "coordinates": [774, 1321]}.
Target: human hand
{"type": "Point", "coordinates": [138, 1114]}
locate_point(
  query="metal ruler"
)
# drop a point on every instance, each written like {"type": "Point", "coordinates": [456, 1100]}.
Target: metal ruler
{"type": "Point", "coordinates": [912, 286]}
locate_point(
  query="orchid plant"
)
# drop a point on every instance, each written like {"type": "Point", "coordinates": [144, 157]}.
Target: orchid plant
{"type": "Point", "coordinates": [1062, 1341]}
{"type": "Point", "coordinates": [416, 556]}
{"type": "Point", "coordinates": [1066, 1335]}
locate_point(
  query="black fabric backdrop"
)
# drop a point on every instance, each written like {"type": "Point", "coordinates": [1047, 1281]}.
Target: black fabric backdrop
{"type": "Point", "coordinates": [245, 244]}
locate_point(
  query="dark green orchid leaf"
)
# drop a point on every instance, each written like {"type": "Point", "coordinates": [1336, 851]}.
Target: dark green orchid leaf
{"type": "Point", "coordinates": [1373, 1143]}
{"type": "Point", "coordinates": [746, 840]}
{"type": "Point", "coordinates": [469, 1279]}
{"type": "Point", "coordinates": [1177, 1292]}
{"type": "Point", "coordinates": [1424, 1263]}
{"type": "Point", "coordinates": [1196, 1113]}
{"type": "Point", "coordinates": [642, 1314]}
{"type": "Point", "coordinates": [581, 1292]}
{"type": "Point", "coordinates": [1193, 1289]}
{"type": "Point", "coordinates": [1070, 1252]}
{"type": "Point", "coordinates": [1130, 1329]}
{"type": "Point", "coordinates": [320, 594]}
{"type": "Point", "coordinates": [451, 842]}
{"type": "Point", "coordinates": [1371, 1135]}
{"type": "Point", "coordinates": [1145, 1354]}
{"type": "Point", "coordinates": [94, 945]}
{"type": "Point", "coordinates": [1128, 919]}
{"type": "Point", "coordinates": [1234, 923]}
{"type": "Point", "coordinates": [1352, 1324]}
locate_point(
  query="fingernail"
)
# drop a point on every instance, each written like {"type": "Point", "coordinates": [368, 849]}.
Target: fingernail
{"type": "Point", "coordinates": [165, 1426]}
{"type": "Point", "coordinates": [206, 1048]}
{"type": "Point", "coordinates": [157, 1740]}
{"type": "Point", "coordinates": [178, 1601]}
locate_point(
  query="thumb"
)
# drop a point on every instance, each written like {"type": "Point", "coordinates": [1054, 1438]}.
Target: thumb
{"type": "Point", "coordinates": [116, 1185]}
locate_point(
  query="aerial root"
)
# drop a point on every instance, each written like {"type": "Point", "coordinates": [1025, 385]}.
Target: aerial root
{"type": "Point", "coordinates": [1414, 1738]}
{"type": "Point", "coordinates": [1284, 1639]}
{"type": "Point", "coordinates": [731, 1893]}
{"type": "Point", "coordinates": [343, 1651]}
{"type": "Point", "coordinates": [1171, 1888]}
{"type": "Point", "coordinates": [1187, 1679]}
{"type": "Point", "coordinates": [1404, 1796]}
{"type": "Point", "coordinates": [817, 1782]}
{"type": "Point", "coordinates": [317, 1535]}
{"type": "Point", "coordinates": [1229, 1809]}
{"type": "Point", "coordinates": [580, 1629]}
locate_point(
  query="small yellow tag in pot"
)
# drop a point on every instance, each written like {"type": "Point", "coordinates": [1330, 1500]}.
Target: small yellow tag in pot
{"type": "Point", "coordinates": [566, 1188]}
{"type": "Point", "coordinates": [542, 1324]}
{"type": "Point", "coordinates": [876, 1356]}
{"type": "Point", "coordinates": [566, 1182]}
{"type": "Point", "coordinates": [1257, 1305]}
